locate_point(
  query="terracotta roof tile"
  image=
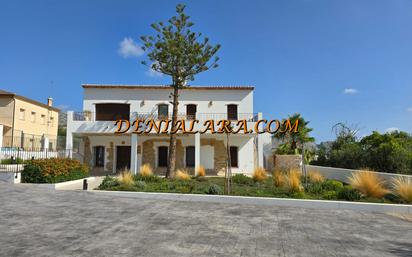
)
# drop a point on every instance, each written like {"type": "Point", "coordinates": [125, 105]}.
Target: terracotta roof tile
{"type": "Point", "coordinates": [193, 87]}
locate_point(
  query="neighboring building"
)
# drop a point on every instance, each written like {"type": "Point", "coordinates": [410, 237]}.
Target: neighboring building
{"type": "Point", "coordinates": [107, 152]}
{"type": "Point", "coordinates": [26, 123]}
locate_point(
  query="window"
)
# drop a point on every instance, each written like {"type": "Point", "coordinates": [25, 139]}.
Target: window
{"type": "Point", "coordinates": [43, 119]}
{"type": "Point", "coordinates": [191, 111]}
{"type": "Point", "coordinates": [22, 115]}
{"type": "Point", "coordinates": [33, 117]}
{"type": "Point", "coordinates": [233, 156]}
{"type": "Point", "coordinates": [99, 156]}
{"type": "Point", "coordinates": [163, 111]}
{"type": "Point", "coordinates": [51, 121]}
{"type": "Point", "coordinates": [190, 156]}
{"type": "Point", "coordinates": [112, 112]}
{"type": "Point", "coordinates": [162, 156]}
{"type": "Point", "coordinates": [232, 112]}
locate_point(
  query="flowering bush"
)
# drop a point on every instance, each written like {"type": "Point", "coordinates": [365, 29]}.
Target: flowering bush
{"type": "Point", "coordinates": [53, 170]}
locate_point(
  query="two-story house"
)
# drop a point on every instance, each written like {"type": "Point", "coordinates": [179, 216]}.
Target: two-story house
{"type": "Point", "coordinates": [107, 152]}
{"type": "Point", "coordinates": [26, 123]}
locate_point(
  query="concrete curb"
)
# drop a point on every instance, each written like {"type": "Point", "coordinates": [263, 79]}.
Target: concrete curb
{"type": "Point", "coordinates": [75, 184]}
{"type": "Point", "coordinates": [266, 201]}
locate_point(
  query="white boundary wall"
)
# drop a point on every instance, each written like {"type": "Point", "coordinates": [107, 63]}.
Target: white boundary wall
{"type": "Point", "coordinates": [344, 174]}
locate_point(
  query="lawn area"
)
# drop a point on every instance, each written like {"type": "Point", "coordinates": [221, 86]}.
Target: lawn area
{"type": "Point", "coordinates": [242, 185]}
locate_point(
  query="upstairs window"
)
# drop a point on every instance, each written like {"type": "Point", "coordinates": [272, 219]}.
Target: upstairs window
{"type": "Point", "coordinates": [51, 121]}
{"type": "Point", "coordinates": [22, 114]}
{"type": "Point", "coordinates": [33, 117]}
{"type": "Point", "coordinates": [191, 111]}
{"type": "Point", "coordinates": [43, 119]}
{"type": "Point", "coordinates": [112, 112]}
{"type": "Point", "coordinates": [163, 111]}
{"type": "Point", "coordinates": [232, 112]}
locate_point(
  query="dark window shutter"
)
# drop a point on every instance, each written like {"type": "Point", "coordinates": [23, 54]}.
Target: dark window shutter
{"type": "Point", "coordinates": [233, 156]}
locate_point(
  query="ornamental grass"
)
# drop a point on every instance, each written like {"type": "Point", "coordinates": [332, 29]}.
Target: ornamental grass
{"type": "Point", "coordinates": [126, 178]}
{"type": "Point", "coordinates": [314, 176]}
{"type": "Point", "coordinates": [278, 178]}
{"type": "Point", "coordinates": [368, 183]}
{"type": "Point", "coordinates": [146, 170]}
{"type": "Point", "coordinates": [293, 181]}
{"type": "Point", "coordinates": [182, 174]}
{"type": "Point", "coordinates": [402, 187]}
{"type": "Point", "coordinates": [259, 174]}
{"type": "Point", "coordinates": [201, 171]}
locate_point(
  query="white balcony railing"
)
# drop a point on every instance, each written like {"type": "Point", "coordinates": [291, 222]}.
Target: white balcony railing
{"type": "Point", "coordinates": [90, 116]}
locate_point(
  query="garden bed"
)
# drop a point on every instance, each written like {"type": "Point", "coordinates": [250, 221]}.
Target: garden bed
{"type": "Point", "coordinates": [244, 186]}
{"type": "Point", "coordinates": [53, 170]}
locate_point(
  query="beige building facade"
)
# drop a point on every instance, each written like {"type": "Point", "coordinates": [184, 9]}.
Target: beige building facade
{"type": "Point", "coordinates": [26, 123]}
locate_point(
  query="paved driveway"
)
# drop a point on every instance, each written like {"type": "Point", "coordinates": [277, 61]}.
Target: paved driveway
{"type": "Point", "coordinates": [40, 222]}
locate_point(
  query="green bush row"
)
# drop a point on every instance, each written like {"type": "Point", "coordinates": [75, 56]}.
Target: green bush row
{"type": "Point", "coordinates": [53, 170]}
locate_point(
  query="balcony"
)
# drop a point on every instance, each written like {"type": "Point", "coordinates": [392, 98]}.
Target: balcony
{"type": "Point", "coordinates": [249, 117]}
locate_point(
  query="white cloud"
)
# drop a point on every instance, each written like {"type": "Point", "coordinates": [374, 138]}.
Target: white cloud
{"type": "Point", "coordinates": [129, 48]}
{"type": "Point", "coordinates": [350, 91]}
{"type": "Point", "coordinates": [409, 109]}
{"type": "Point", "coordinates": [389, 130]}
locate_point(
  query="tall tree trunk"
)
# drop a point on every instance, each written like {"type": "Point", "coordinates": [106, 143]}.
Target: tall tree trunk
{"type": "Point", "coordinates": [228, 171]}
{"type": "Point", "coordinates": [170, 173]}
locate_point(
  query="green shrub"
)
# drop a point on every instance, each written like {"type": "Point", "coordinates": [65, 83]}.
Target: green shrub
{"type": "Point", "coordinates": [148, 178]}
{"type": "Point", "coordinates": [349, 194]}
{"type": "Point", "coordinates": [32, 174]}
{"type": "Point", "coordinates": [201, 178]}
{"type": "Point", "coordinates": [214, 190]}
{"type": "Point", "coordinates": [10, 161]}
{"type": "Point", "coordinates": [296, 194]}
{"type": "Point", "coordinates": [53, 170]}
{"type": "Point", "coordinates": [242, 179]}
{"type": "Point", "coordinates": [108, 182]}
{"type": "Point", "coordinates": [332, 185]}
{"type": "Point", "coordinates": [330, 195]}
{"type": "Point", "coordinates": [314, 188]}
{"type": "Point", "coordinates": [141, 184]}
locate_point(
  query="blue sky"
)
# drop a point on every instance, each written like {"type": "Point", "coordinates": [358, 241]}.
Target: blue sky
{"type": "Point", "coordinates": [332, 61]}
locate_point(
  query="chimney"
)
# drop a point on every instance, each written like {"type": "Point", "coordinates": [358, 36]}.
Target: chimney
{"type": "Point", "coordinates": [49, 101]}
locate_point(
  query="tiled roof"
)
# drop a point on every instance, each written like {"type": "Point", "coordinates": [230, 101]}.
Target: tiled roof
{"type": "Point", "coordinates": [10, 94]}
{"type": "Point", "coordinates": [192, 87]}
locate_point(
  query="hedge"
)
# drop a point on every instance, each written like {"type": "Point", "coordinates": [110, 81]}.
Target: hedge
{"type": "Point", "coordinates": [53, 170]}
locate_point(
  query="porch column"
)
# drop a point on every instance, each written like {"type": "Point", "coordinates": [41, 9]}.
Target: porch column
{"type": "Point", "coordinates": [133, 152]}
{"type": "Point", "coordinates": [69, 135]}
{"type": "Point", "coordinates": [197, 152]}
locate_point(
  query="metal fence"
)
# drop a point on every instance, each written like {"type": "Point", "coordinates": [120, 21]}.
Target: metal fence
{"type": "Point", "coordinates": [28, 141]}
{"type": "Point", "coordinates": [13, 159]}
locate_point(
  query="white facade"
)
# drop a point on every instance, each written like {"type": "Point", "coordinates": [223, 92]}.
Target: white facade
{"type": "Point", "coordinates": [210, 102]}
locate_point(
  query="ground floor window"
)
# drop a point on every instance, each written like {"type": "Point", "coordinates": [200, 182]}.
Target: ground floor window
{"type": "Point", "coordinates": [99, 156]}
{"type": "Point", "coordinates": [162, 154]}
{"type": "Point", "coordinates": [190, 156]}
{"type": "Point", "coordinates": [233, 156]}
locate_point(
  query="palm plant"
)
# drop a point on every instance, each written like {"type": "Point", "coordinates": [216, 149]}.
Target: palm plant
{"type": "Point", "coordinates": [291, 140]}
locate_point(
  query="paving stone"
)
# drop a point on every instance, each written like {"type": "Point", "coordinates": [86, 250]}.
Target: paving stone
{"type": "Point", "coordinates": [39, 222]}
